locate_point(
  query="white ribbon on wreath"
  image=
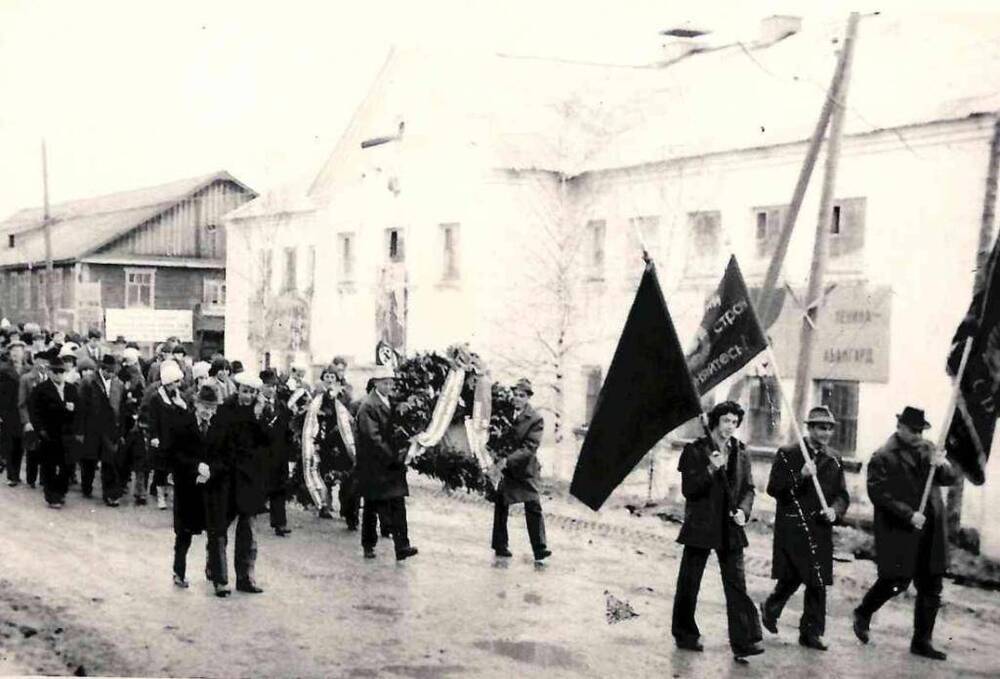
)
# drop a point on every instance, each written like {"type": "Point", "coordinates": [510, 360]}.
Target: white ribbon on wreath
{"type": "Point", "coordinates": [444, 411]}
{"type": "Point", "coordinates": [310, 456]}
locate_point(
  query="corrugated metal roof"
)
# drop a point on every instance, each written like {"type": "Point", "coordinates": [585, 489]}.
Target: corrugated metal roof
{"type": "Point", "coordinates": [79, 227]}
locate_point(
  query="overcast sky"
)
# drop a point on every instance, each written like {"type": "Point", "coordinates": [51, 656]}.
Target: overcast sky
{"type": "Point", "coordinates": [129, 94]}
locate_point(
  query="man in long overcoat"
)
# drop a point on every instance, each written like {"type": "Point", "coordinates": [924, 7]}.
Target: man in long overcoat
{"type": "Point", "coordinates": [803, 532]}
{"type": "Point", "coordinates": [98, 431]}
{"type": "Point", "coordinates": [274, 419]}
{"type": "Point", "coordinates": [192, 434]}
{"type": "Point", "coordinates": [30, 438]}
{"type": "Point", "coordinates": [909, 545]}
{"type": "Point", "coordinates": [51, 407]}
{"type": "Point", "coordinates": [236, 486]}
{"type": "Point", "coordinates": [717, 484]}
{"type": "Point", "coordinates": [381, 471]}
{"type": "Point", "coordinates": [521, 477]}
{"type": "Point", "coordinates": [11, 429]}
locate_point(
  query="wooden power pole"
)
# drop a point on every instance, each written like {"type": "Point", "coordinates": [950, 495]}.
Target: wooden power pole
{"type": "Point", "coordinates": [47, 232]}
{"type": "Point", "coordinates": [815, 290]}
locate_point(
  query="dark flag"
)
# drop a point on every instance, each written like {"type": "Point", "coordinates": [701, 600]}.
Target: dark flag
{"type": "Point", "coordinates": [647, 393]}
{"type": "Point", "coordinates": [729, 336]}
{"type": "Point", "coordinates": [971, 433]}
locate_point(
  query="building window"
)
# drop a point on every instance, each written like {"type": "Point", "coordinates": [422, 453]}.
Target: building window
{"type": "Point", "coordinates": [10, 240]}
{"type": "Point", "coordinates": [394, 244]}
{"type": "Point", "coordinates": [345, 246]}
{"type": "Point", "coordinates": [841, 397]}
{"type": "Point", "coordinates": [705, 241]}
{"type": "Point", "coordinates": [765, 410]}
{"type": "Point", "coordinates": [265, 273]}
{"type": "Point", "coordinates": [210, 240]}
{"type": "Point", "coordinates": [767, 228]}
{"type": "Point", "coordinates": [214, 296]}
{"type": "Point", "coordinates": [595, 379]}
{"type": "Point", "coordinates": [291, 274]}
{"type": "Point", "coordinates": [57, 288]}
{"type": "Point", "coordinates": [847, 226]}
{"type": "Point", "coordinates": [596, 232]}
{"type": "Point", "coordinates": [139, 288]}
{"type": "Point", "coordinates": [449, 244]}
{"type": "Point", "coordinates": [312, 268]}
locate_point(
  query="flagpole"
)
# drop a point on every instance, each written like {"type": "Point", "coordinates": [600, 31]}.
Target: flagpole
{"type": "Point", "coordinates": [795, 425]}
{"type": "Point", "coordinates": [949, 414]}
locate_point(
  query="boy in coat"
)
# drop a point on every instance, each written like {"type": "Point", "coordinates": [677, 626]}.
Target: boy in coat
{"type": "Point", "coordinates": [521, 478]}
{"type": "Point", "coordinates": [909, 545]}
{"type": "Point", "coordinates": [803, 532]}
{"type": "Point", "coordinates": [718, 491]}
{"type": "Point", "coordinates": [381, 471]}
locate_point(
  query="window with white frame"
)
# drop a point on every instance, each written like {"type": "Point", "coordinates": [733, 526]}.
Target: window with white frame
{"type": "Point", "coordinates": [140, 287]}
{"type": "Point", "coordinates": [649, 227]}
{"type": "Point", "coordinates": [394, 244]}
{"type": "Point", "coordinates": [291, 270]}
{"type": "Point", "coordinates": [345, 252]}
{"type": "Point", "coordinates": [767, 228]}
{"type": "Point", "coordinates": [214, 296]}
{"type": "Point", "coordinates": [449, 252]}
{"type": "Point", "coordinates": [705, 229]}
{"type": "Point", "coordinates": [596, 233]}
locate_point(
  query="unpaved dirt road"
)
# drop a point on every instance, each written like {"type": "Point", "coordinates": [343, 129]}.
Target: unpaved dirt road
{"type": "Point", "coordinates": [88, 589]}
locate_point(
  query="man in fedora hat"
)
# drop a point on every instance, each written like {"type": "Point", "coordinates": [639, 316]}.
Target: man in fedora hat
{"type": "Point", "coordinates": [11, 431]}
{"type": "Point", "coordinates": [521, 479]}
{"type": "Point", "coordinates": [29, 381]}
{"type": "Point", "coordinates": [909, 545]}
{"type": "Point", "coordinates": [803, 531]}
{"type": "Point", "coordinates": [187, 452]}
{"type": "Point", "coordinates": [717, 484]}
{"type": "Point", "coordinates": [381, 470]}
{"type": "Point", "coordinates": [51, 406]}
{"type": "Point", "coordinates": [98, 431]}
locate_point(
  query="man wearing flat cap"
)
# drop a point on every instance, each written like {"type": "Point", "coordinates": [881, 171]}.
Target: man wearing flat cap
{"type": "Point", "coordinates": [803, 531]}
{"type": "Point", "coordinates": [51, 406]}
{"type": "Point", "coordinates": [521, 477]}
{"type": "Point", "coordinates": [381, 470]}
{"type": "Point", "coordinates": [98, 431]}
{"type": "Point", "coordinates": [910, 545]}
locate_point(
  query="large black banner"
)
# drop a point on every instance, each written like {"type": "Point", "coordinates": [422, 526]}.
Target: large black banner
{"type": "Point", "coordinates": [647, 393]}
{"type": "Point", "coordinates": [729, 336]}
{"type": "Point", "coordinates": [975, 418]}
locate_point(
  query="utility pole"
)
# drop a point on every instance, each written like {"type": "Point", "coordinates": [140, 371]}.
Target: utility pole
{"type": "Point", "coordinates": [813, 301]}
{"type": "Point", "coordinates": [986, 237]}
{"type": "Point", "coordinates": [47, 232]}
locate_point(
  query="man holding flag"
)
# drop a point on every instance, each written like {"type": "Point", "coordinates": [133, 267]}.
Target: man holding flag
{"type": "Point", "coordinates": [718, 491]}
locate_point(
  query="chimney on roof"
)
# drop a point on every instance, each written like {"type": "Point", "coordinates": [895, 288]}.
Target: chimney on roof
{"type": "Point", "coordinates": [777, 27]}
{"type": "Point", "coordinates": [679, 42]}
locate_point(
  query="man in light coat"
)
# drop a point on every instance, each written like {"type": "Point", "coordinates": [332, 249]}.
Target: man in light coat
{"type": "Point", "coordinates": [98, 431]}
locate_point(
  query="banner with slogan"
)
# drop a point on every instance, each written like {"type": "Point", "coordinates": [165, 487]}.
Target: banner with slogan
{"type": "Point", "coordinates": [729, 335]}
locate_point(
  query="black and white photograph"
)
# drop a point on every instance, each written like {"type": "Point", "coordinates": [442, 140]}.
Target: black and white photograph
{"type": "Point", "coordinates": [484, 339]}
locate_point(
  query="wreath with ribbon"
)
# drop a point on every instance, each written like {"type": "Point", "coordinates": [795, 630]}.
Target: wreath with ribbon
{"type": "Point", "coordinates": [452, 420]}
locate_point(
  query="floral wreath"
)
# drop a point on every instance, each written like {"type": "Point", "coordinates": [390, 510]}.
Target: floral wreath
{"type": "Point", "coordinates": [429, 385]}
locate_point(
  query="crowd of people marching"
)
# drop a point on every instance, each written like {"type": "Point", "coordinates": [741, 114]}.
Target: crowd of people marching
{"type": "Point", "coordinates": [232, 445]}
{"type": "Point", "coordinates": [219, 444]}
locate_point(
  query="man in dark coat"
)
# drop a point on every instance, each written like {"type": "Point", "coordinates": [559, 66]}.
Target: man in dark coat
{"type": "Point", "coordinates": [909, 544]}
{"type": "Point", "coordinates": [521, 478]}
{"type": "Point", "coordinates": [98, 431]}
{"type": "Point", "coordinates": [51, 407]}
{"type": "Point", "coordinates": [11, 428]}
{"type": "Point", "coordinates": [30, 439]}
{"type": "Point", "coordinates": [236, 487]}
{"type": "Point", "coordinates": [274, 419]}
{"type": "Point", "coordinates": [718, 491]}
{"type": "Point", "coordinates": [803, 531]}
{"type": "Point", "coordinates": [381, 471]}
{"type": "Point", "coordinates": [186, 449]}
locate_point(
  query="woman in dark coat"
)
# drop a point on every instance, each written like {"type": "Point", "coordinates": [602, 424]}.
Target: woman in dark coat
{"type": "Point", "coordinates": [163, 401]}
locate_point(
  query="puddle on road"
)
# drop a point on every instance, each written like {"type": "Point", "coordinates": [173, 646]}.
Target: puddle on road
{"type": "Point", "coordinates": [533, 652]}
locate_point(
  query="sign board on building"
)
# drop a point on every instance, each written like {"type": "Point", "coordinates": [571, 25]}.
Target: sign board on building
{"type": "Point", "coordinates": [149, 325]}
{"type": "Point", "coordinates": [88, 294]}
{"type": "Point", "coordinates": [852, 334]}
